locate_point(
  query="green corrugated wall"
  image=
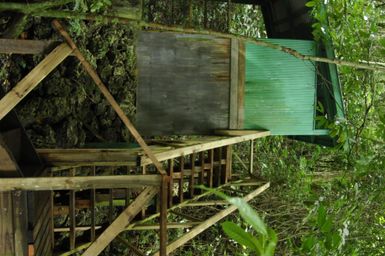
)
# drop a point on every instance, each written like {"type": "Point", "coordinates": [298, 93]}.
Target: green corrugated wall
{"type": "Point", "coordinates": [280, 89]}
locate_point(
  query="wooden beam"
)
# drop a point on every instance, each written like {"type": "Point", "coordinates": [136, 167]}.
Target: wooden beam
{"type": "Point", "coordinates": [104, 90]}
{"type": "Point", "coordinates": [241, 83]}
{"type": "Point", "coordinates": [79, 182]}
{"type": "Point", "coordinates": [233, 114]}
{"type": "Point", "coordinates": [163, 235]}
{"type": "Point", "coordinates": [140, 227]}
{"type": "Point", "coordinates": [162, 156]}
{"type": "Point", "coordinates": [235, 132]}
{"type": "Point", "coordinates": [84, 157]}
{"type": "Point", "coordinates": [30, 81]}
{"type": "Point", "coordinates": [251, 158]}
{"type": "Point", "coordinates": [211, 221]}
{"type": "Point", "coordinates": [18, 46]}
{"type": "Point", "coordinates": [121, 222]}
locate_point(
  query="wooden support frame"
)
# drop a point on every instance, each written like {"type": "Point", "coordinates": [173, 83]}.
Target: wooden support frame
{"type": "Point", "coordinates": [211, 221]}
{"type": "Point", "coordinates": [79, 182]}
{"type": "Point", "coordinates": [121, 222]}
{"type": "Point", "coordinates": [104, 90]}
{"type": "Point", "coordinates": [30, 81]}
{"type": "Point", "coordinates": [174, 153]}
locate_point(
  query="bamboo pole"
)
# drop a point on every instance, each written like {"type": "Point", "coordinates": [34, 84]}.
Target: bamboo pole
{"type": "Point", "coordinates": [91, 71]}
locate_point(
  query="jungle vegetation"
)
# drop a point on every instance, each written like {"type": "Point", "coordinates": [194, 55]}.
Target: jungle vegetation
{"type": "Point", "coordinates": [322, 201]}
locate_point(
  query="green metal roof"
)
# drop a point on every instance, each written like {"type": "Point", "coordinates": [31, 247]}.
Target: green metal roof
{"type": "Point", "coordinates": [280, 90]}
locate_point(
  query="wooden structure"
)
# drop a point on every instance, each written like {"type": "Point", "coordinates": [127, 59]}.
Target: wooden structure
{"type": "Point", "coordinates": [241, 86]}
{"type": "Point", "coordinates": [151, 179]}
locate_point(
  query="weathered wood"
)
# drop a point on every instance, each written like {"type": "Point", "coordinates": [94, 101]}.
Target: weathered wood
{"type": "Point", "coordinates": [229, 163]}
{"type": "Point", "coordinates": [163, 236]}
{"type": "Point", "coordinates": [169, 226]}
{"type": "Point", "coordinates": [235, 132]}
{"type": "Point", "coordinates": [93, 212]}
{"type": "Point", "coordinates": [79, 182]}
{"type": "Point", "coordinates": [7, 239]}
{"type": "Point", "coordinates": [211, 221]}
{"type": "Point", "coordinates": [241, 83]}
{"type": "Point", "coordinates": [251, 157]}
{"type": "Point", "coordinates": [211, 168]}
{"type": "Point", "coordinates": [91, 71]}
{"type": "Point", "coordinates": [121, 222]}
{"type": "Point", "coordinates": [205, 146]}
{"type": "Point", "coordinates": [91, 157]}
{"type": "Point", "coordinates": [181, 182]}
{"type": "Point", "coordinates": [30, 81]}
{"type": "Point", "coordinates": [59, 230]}
{"type": "Point", "coordinates": [192, 175]}
{"type": "Point", "coordinates": [72, 215]}
{"type": "Point", "coordinates": [18, 46]}
{"type": "Point", "coordinates": [20, 221]}
{"type": "Point", "coordinates": [8, 164]}
{"type": "Point", "coordinates": [183, 83]}
{"type": "Point", "coordinates": [171, 184]}
{"type": "Point", "coordinates": [233, 118]}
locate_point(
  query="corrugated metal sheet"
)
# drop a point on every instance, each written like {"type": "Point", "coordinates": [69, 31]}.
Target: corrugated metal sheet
{"type": "Point", "coordinates": [280, 89]}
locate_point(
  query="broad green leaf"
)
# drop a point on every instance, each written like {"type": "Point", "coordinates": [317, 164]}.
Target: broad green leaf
{"type": "Point", "coordinates": [321, 216]}
{"type": "Point", "coordinates": [239, 235]}
{"type": "Point", "coordinates": [272, 243]}
{"type": "Point", "coordinates": [249, 214]}
{"type": "Point", "coordinates": [310, 4]}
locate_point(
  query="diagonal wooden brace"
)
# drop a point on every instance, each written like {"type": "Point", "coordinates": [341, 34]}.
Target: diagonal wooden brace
{"type": "Point", "coordinates": [91, 71]}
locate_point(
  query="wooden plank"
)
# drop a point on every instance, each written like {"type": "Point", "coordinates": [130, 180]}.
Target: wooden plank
{"type": "Point", "coordinates": [211, 221]}
{"type": "Point", "coordinates": [201, 177]}
{"type": "Point", "coordinates": [93, 212]}
{"type": "Point", "coordinates": [121, 222]}
{"type": "Point", "coordinates": [78, 228]}
{"type": "Point", "coordinates": [72, 215]}
{"type": "Point", "coordinates": [79, 182]}
{"type": "Point", "coordinates": [181, 182]}
{"type": "Point", "coordinates": [192, 175]}
{"type": "Point", "coordinates": [171, 184]}
{"type": "Point", "coordinates": [211, 170]}
{"type": "Point", "coordinates": [104, 90]}
{"type": "Point", "coordinates": [174, 153]}
{"type": "Point", "coordinates": [241, 83]}
{"type": "Point", "coordinates": [251, 157]}
{"type": "Point", "coordinates": [20, 221]}
{"type": "Point", "coordinates": [163, 235]}
{"type": "Point", "coordinates": [30, 81]}
{"type": "Point", "coordinates": [7, 239]}
{"type": "Point", "coordinates": [229, 166]}
{"type": "Point", "coordinates": [84, 157]}
{"type": "Point", "coordinates": [184, 83]}
{"type": "Point", "coordinates": [169, 226]}
{"type": "Point", "coordinates": [235, 132]}
{"type": "Point", "coordinates": [233, 116]}
{"type": "Point", "coordinates": [18, 46]}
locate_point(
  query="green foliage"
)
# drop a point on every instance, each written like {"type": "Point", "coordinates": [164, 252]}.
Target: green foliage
{"type": "Point", "coordinates": [265, 243]}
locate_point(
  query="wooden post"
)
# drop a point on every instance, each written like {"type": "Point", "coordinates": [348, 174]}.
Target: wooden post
{"type": "Point", "coordinates": [211, 170]}
{"type": "Point", "coordinates": [121, 222]}
{"type": "Point", "coordinates": [30, 81]}
{"type": "Point", "coordinates": [251, 167]}
{"type": "Point", "coordinates": [72, 214]}
{"type": "Point", "coordinates": [211, 221]}
{"type": "Point", "coordinates": [171, 184]}
{"type": "Point", "coordinates": [91, 71]}
{"type": "Point", "coordinates": [181, 179]}
{"type": "Point", "coordinates": [93, 216]}
{"type": "Point", "coordinates": [163, 216]}
{"type": "Point", "coordinates": [192, 177]}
